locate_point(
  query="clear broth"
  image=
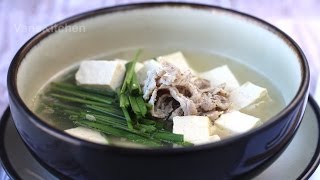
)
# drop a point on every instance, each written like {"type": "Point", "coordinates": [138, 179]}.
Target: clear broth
{"type": "Point", "coordinates": [199, 61]}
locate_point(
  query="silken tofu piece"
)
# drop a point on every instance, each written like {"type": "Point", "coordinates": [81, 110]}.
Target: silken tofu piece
{"type": "Point", "coordinates": [220, 75]}
{"type": "Point", "coordinates": [233, 123]}
{"type": "Point", "coordinates": [87, 134]}
{"type": "Point", "coordinates": [214, 138]}
{"type": "Point", "coordinates": [148, 65]}
{"type": "Point", "coordinates": [101, 74]}
{"type": "Point", "coordinates": [177, 59]}
{"type": "Point", "coordinates": [138, 67]}
{"type": "Point", "coordinates": [195, 129]}
{"type": "Point", "coordinates": [247, 96]}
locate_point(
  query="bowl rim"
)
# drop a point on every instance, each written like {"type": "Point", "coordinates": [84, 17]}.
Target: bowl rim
{"type": "Point", "coordinates": [23, 51]}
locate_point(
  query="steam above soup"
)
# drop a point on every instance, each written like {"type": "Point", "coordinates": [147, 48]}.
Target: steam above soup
{"type": "Point", "coordinates": [159, 102]}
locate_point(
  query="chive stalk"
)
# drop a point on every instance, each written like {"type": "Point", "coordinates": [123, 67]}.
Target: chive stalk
{"type": "Point", "coordinates": [99, 110]}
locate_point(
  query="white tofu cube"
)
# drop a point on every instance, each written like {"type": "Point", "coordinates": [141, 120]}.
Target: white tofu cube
{"type": "Point", "coordinates": [87, 134]}
{"type": "Point", "coordinates": [211, 139]}
{"type": "Point", "coordinates": [214, 138]}
{"type": "Point", "coordinates": [148, 65]}
{"type": "Point", "coordinates": [177, 59]}
{"type": "Point", "coordinates": [101, 74]}
{"type": "Point", "coordinates": [138, 67]}
{"type": "Point", "coordinates": [233, 123]}
{"type": "Point", "coordinates": [220, 75]}
{"type": "Point", "coordinates": [195, 129]}
{"type": "Point", "coordinates": [248, 95]}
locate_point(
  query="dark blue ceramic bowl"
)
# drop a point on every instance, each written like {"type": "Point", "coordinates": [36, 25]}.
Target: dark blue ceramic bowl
{"type": "Point", "coordinates": [159, 25]}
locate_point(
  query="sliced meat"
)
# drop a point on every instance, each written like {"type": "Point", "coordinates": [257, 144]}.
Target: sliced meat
{"type": "Point", "coordinates": [163, 107]}
{"type": "Point", "coordinates": [187, 105]}
{"type": "Point", "coordinates": [167, 86]}
{"type": "Point", "coordinates": [201, 83]}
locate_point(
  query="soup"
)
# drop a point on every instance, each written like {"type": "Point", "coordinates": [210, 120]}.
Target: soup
{"type": "Point", "coordinates": [181, 99]}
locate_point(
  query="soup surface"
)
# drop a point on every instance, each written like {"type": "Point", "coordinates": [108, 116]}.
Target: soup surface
{"type": "Point", "coordinates": [199, 62]}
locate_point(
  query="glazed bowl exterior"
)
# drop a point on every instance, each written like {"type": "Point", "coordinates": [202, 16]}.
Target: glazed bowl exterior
{"type": "Point", "coordinates": [176, 26]}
